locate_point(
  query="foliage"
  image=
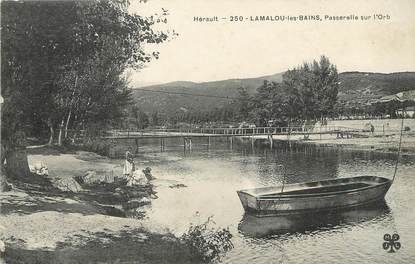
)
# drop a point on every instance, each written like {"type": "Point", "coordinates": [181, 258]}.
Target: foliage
{"type": "Point", "coordinates": [207, 242]}
{"type": "Point", "coordinates": [155, 118]}
{"type": "Point", "coordinates": [140, 118]}
{"type": "Point", "coordinates": [226, 113]}
{"type": "Point", "coordinates": [268, 103]}
{"type": "Point", "coordinates": [244, 105]}
{"type": "Point", "coordinates": [308, 92]}
{"type": "Point", "coordinates": [312, 89]}
{"type": "Point", "coordinates": [63, 63]}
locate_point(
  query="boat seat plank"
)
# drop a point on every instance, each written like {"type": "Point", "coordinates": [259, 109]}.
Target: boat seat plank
{"type": "Point", "coordinates": [320, 189]}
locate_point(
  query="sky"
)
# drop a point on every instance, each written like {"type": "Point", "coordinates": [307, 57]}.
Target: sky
{"type": "Point", "coordinates": [208, 51]}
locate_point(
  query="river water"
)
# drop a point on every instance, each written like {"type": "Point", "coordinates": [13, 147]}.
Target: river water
{"type": "Point", "coordinates": [213, 175]}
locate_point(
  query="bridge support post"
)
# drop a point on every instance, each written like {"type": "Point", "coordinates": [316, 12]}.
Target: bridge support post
{"type": "Point", "coordinates": [136, 145]}
{"type": "Point", "coordinates": [187, 143]}
{"type": "Point", "coordinates": [111, 152]}
{"type": "Point", "coordinates": [289, 141]}
{"type": "Point", "coordinates": [161, 144]}
{"type": "Point", "coordinates": [231, 142]}
{"type": "Point", "coordinates": [271, 142]}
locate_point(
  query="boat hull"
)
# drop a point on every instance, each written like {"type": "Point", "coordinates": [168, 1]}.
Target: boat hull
{"type": "Point", "coordinates": [315, 196]}
{"type": "Point", "coordinates": [254, 226]}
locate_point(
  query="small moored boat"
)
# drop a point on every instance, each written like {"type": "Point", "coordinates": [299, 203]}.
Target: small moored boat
{"type": "Point", "coordinates": [314, 196]}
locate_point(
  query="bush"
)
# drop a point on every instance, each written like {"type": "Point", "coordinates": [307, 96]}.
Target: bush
{"type": "Point", "coordinates": [98, 146]}
{"type": "Point", "coordinates": [207, 242]}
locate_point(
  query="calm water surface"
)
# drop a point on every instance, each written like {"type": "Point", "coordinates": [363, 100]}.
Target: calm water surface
{"type": "Point", "coordinates": [213, 175]}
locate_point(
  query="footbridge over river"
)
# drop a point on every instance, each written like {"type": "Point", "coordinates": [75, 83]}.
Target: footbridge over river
{"type": "Point", "coordinates": [227, 132]}
{"type": "Point", "coordinates": [253, 133]}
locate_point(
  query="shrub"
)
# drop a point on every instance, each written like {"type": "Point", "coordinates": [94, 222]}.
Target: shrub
{"type": "Point", "coordinates": [207, 242]}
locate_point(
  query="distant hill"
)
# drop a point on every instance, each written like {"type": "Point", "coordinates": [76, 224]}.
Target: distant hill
{"type": "Point", "coordinates": [356, 88]}
{"type": "Point", "coordinates": [168, 104]}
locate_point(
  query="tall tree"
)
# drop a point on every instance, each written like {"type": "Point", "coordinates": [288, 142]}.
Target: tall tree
{"type": "Point", "coordinates": [140, 118]}
{"type": "Point", "coordinates": [312, 89]}
{"type": "Point", "coordinates": [155, 119]}
{"type": "Point", "coordinates": [268, 103]}
{"type": "Point", "coordinates": [62, 64]}
{"type": "Point", "coordinates": [244, 103]}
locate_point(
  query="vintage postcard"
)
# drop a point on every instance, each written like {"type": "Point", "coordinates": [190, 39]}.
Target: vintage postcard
{"type": "Point", "coordinates": [238, 131]}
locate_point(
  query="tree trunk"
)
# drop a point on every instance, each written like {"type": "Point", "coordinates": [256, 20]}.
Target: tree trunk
{"type": "Point", "coordinates": [67, 123]}
{"type": "Point", "coordinates": [3, 181]}
{"type": "Point", "coordinates": [3, 154]}
{"type": "Point", "coordinates": [52, 133]}
{"type": "Point", "coordinates": [17, 165]}
{"type": "Point", "coordinates": [60, 133]}
{"type": "Point", "coordinates": [15, 156]}
{"type": "Point", "coordinates": [70, 107]}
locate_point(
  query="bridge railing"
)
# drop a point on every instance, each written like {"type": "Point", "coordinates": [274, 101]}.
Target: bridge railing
{"type": "Point", "coordinates": [234, 131]}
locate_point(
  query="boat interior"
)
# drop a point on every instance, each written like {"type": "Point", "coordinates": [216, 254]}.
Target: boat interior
{"type": "Point", "coordinates": [322, 189]}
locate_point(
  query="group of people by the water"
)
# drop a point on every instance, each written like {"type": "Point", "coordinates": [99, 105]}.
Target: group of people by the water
{"type": "Point", "coordinates": [133, 175]}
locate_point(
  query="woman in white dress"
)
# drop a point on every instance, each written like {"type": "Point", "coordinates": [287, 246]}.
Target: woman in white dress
{"type": "Point", "coordinates": [133, 176]}
{"type": "Point", "coordinates": [129, 166]}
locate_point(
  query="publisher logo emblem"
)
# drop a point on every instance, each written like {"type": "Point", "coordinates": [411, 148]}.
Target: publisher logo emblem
{"type": "Point", "coordinates": [391, 243]}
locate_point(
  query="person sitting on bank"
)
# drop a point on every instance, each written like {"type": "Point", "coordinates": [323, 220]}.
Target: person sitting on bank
{"type": "Point", "coordinates": [129, 166]}
{"type": "Point", "coordinates": [132, 174]}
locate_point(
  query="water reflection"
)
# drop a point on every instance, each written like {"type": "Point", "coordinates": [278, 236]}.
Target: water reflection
{"type": "Point", "coordinates": [297, 166]}
{"type": "Point", "coordinates": [253, 226]}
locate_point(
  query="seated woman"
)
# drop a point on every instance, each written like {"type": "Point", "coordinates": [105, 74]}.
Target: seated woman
{"type": "Point", "coordinates": [133, 176]}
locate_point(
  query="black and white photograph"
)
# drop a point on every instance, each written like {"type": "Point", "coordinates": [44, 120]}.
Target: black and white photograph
{"type": "Point", "coordinates": [192, 132]}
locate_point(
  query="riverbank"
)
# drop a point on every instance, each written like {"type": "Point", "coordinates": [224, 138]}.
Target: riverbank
{"type": "Point", "coordinates": [381, 144]}
{"type": "Point", "coordinates": [388, 144]}
{"type": "Point", "coordinates": [47, 225]}
{"type": "Point", "coordinates": [57, 237]}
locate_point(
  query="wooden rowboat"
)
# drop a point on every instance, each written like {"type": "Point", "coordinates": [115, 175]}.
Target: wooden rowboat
{"type": "Point", "coordinates": [314, 196]}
